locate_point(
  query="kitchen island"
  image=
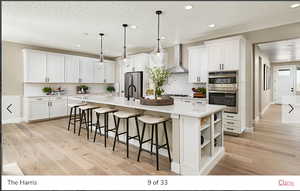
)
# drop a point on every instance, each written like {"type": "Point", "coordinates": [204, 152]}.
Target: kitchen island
{"type": "Point", "coordinates": [197, 131]}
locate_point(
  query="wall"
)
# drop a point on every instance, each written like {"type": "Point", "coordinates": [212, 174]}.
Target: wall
{"type": "Point", "coordinates": [12, 65]}
{"type": "Point", "coordinates": [266, 95]}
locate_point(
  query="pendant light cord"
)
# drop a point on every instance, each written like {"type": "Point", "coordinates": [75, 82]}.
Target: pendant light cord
{"type": "Point", "coordinates": [101, 47]}
{"type": "Point", "coordinates": [125, 53]}
{"type": "Point", "coordinates": [158, 39]}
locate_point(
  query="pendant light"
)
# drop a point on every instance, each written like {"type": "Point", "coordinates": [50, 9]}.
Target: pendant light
{"type": "Point", "coordinates": [159, 48]}
{"type": "Point", "coordinates": [125, 51]}
{"type": "Point", "coordinates": [101, 48]}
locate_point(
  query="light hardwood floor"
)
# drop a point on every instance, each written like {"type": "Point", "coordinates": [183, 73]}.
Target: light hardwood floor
{"type": "Point", "coordinates": [47, 148]}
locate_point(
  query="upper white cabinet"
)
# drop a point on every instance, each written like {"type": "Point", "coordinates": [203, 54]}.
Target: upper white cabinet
{"type": "Point", "coordinates": [198, 61]}
{"type": "Point", "coordinates": [71, 69]}
{"type": "Point", "coordinates": [224, 54]}
{"type": "Point", "coordinates": [55, 68]}
{"type": "Point", "coordinates": [109, 72]}
{"type": "Point", "coordinates": [86, 68]}
{"type": "Point", "coordinates": [99, 72]}
{"type": "Point", "coordinates": [46, 67]}
{"type": "Point", "coordinates": [34, 66]}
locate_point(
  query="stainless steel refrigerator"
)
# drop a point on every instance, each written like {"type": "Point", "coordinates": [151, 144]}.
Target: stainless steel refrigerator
{"type": "Point", "coordinates": [134, 79]}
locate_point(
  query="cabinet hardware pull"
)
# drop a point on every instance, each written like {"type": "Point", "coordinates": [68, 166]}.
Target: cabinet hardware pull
{"type": "Point", "coordinates": [230, 122]}
{"type": "Point", "coordinates": [230, 129]}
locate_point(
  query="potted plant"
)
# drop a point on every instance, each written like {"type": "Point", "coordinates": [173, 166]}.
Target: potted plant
{"type": "Point", "coordinates": [199, 92]}
{"type": "Point", "coordinates": [82, 89]}
{"type": "Point", "coordinates": [159, 76]}
{"type": "Point", "coordinates": [110, 89]}
{"type": "Point", "coordinates": [47, 90]}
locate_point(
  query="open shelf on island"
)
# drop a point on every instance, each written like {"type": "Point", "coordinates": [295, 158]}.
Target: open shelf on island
{"type": "Point", "coordinates": [217, 134]}
{"type": "Point", "coordinates": [205, 143]}
{"type": "Point", "coordinates": [205, 127]}
{"type": "Point", "coordinates": [217, 121]}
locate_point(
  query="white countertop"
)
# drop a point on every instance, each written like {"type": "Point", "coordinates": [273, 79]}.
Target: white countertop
{"type": "Point", "coordinates": [187, 109]}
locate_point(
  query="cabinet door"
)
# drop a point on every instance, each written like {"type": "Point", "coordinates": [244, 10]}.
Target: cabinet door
{"type": "Point", "coordinates": [55, 68]}
{"type": "Point", "coordinates": [58, 108]}
{"type": "Point", "coordinates": [38, 110]}
{"type": "Point", "coordinates": [215, 53]}
{"type": "Point", "coordinates": [99, 72]}
{"type": "Point", "coordinates": [34, 66]}
{"type": "Point", "coordinates": [72, 69]}
{"type": "Point", "coordinates": [231, 55]}
{"type": "Point", "coordinates": [109, 72]}
{"type": "Point", "coordinates": [86, 70]}
{"type": "Point", "coordinates": [194, 64]}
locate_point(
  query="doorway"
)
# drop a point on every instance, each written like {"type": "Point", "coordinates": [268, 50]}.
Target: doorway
{"type": "Point", "coordinates": [284, 82]}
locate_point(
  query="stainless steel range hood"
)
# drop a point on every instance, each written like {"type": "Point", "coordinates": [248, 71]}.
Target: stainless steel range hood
{"type": "Point", "coordinates": [176, 67]}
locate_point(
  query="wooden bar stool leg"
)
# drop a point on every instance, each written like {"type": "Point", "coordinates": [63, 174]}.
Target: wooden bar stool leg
{"type": "Point", "coordinates": [127, 137]}
{"type": "Point", "coordinates": [87, 125]}
{"type": "Point", "coordinates": [91, 116]}
{"type": "Point", "coordinates": [141, 142]}
{"type": "Point", "coordinates": [115, 121]}
{"type": "Point", "coordinates": [151, 143]}
{"type": "Point", "coordinates": [70, 118]}
{"type": "Point", "coordinates": [105, 129]}
{"type": "Point", "coordinates": [75, 118]}
{"type": "Point", "coordinates": [81, 120]}
{"type": "Point", "coordinates": [167, 142]}
{"type": "Point", "coordinates": [97, 125]}
{"type": "Point", "coordinates": [117, 133]}
{"type": "Point", "coordinates": [157, 147]}
{"type": "Point", "coordinates": [137, 129]}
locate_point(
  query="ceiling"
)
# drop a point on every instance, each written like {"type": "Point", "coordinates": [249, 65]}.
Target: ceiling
{"type": "Point", "coordinates": [67, 24]}
{"type": "Point", "coordinates": [282, 51]}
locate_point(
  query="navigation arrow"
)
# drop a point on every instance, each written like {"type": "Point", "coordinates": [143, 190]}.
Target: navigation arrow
{"type": "Point", "coordinates": [292, 108]}
{"type": "Point", "coordinates": [8, 108]}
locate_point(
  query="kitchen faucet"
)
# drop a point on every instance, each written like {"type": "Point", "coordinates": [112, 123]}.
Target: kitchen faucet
{"type": "Point", "coordinates": [131, 86]}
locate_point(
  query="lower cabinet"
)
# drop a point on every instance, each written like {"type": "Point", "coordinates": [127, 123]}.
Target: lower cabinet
{"type": "Point", "coordinates": [44, 108]}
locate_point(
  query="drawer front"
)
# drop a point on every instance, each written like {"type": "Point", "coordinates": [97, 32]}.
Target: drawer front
{"type": "Point", "coordinates": [231, 116]}
{"type": "Point", "coordinates": [231, 129]}
{"type": "Point", "coordinates": [232, 123]}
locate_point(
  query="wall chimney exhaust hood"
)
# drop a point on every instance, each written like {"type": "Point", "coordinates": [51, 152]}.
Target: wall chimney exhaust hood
{"type": "Point", "coordinates": [176, 67]}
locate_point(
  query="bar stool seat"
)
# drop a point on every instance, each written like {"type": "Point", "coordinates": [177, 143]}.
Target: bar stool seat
{"type": "Point", "coordinates": [86, 115]}
{"type": "Point", "coordinates": [126, 114]}
{"type": "Point", "coordinates": [149, 119]}
{"type": "Point", "coordinates": [105, 111]}
{"type": "Point", "coordinates": [76, 104]}
{"type": "Point", "coordinates": [154, 121]}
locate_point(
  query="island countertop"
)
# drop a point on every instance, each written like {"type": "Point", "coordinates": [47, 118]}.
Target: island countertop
{"type": "Point", "coordinates": [187, 109]}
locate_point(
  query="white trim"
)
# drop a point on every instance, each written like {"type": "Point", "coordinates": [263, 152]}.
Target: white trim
{"type": "Point", "coordinates": [175, 167]}
{"type": "Point", "coordinates": [266, 108]}
{"type": "Point", "coordinates": [13, 120]}
{"type": "Point", "coordinates": [210, 165]}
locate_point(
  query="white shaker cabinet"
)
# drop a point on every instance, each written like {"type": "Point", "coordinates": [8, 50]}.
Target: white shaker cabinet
{"type": "Point", "coordinates": [71, 69]}
{"type": "Point", "coordinates": [224, 54]}
{"type": "Point", "coordinates": [58, 107]}
{"type": "Point", "coordinates": [109, 72]}
{"type": "Point", "coordinates": [55, 68]}
{"type": "Point", "coordinates": [34, 66]}
{"type": "Point", "coordinates": [198, 61]}
{"type": "Point", "coordinates": [99, 72]}
{"type": "Point", "coordinates": [86, 68]}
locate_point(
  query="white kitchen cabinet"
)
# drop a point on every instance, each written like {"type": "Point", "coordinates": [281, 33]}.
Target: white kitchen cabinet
{"type": "Point", "coordinates": [99, 72]}
{"type": "Point", "coordinates": [109, 72]}
{"type": "Point", "coordinates": [224, 54]}
{"type": "Point", "coordinates": [198, 61]}
{"type": "Point", "coordinates": [37, 108]}
{"type": "Point", "coordinates": [55, 68]}
{"type": "Point", "coordinates": [71, 69]}
{"type": "Point", "coordinates": [58, 107]}
{"type": "Point", "coordinates": [34, 66]}
{"type": "Point", "coordinates": [86, 68]}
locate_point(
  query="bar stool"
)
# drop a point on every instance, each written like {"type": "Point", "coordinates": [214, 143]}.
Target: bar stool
{"type": "Point", "coordinates": [105, 111]}
{"type": "Point", "coordinates": [73, 116]}
{"type": "Point", "coordinates": [126, 115]}
{"type": "Point", "coordinates": [154, 121]}
{"type": "Point", "coordinates": [86, 115]}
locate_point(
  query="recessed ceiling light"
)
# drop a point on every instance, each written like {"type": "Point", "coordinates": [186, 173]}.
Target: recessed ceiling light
{"type": "Point", "coordinates": [295, 5]}
{"type": "Point", "coordinates": [212, 25]}
{"type": "Point", "coordinates": [78, 45]}
{"type": "Point", "coordinates": [162, 38]}
{"type": "Point", "coordinates": [188, 7]}
{"type": "Point", "coordinates": [133, 26]}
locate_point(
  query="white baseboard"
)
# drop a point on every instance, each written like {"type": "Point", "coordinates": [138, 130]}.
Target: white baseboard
{"type": "Point", "coordinates": [213, 162]}
{"type": "Point", "coordinates": [266, 108]}
{"type": "Point", "coordinates": [175, 167]}
{"type": "Point", "coordinates": [13, 120]}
